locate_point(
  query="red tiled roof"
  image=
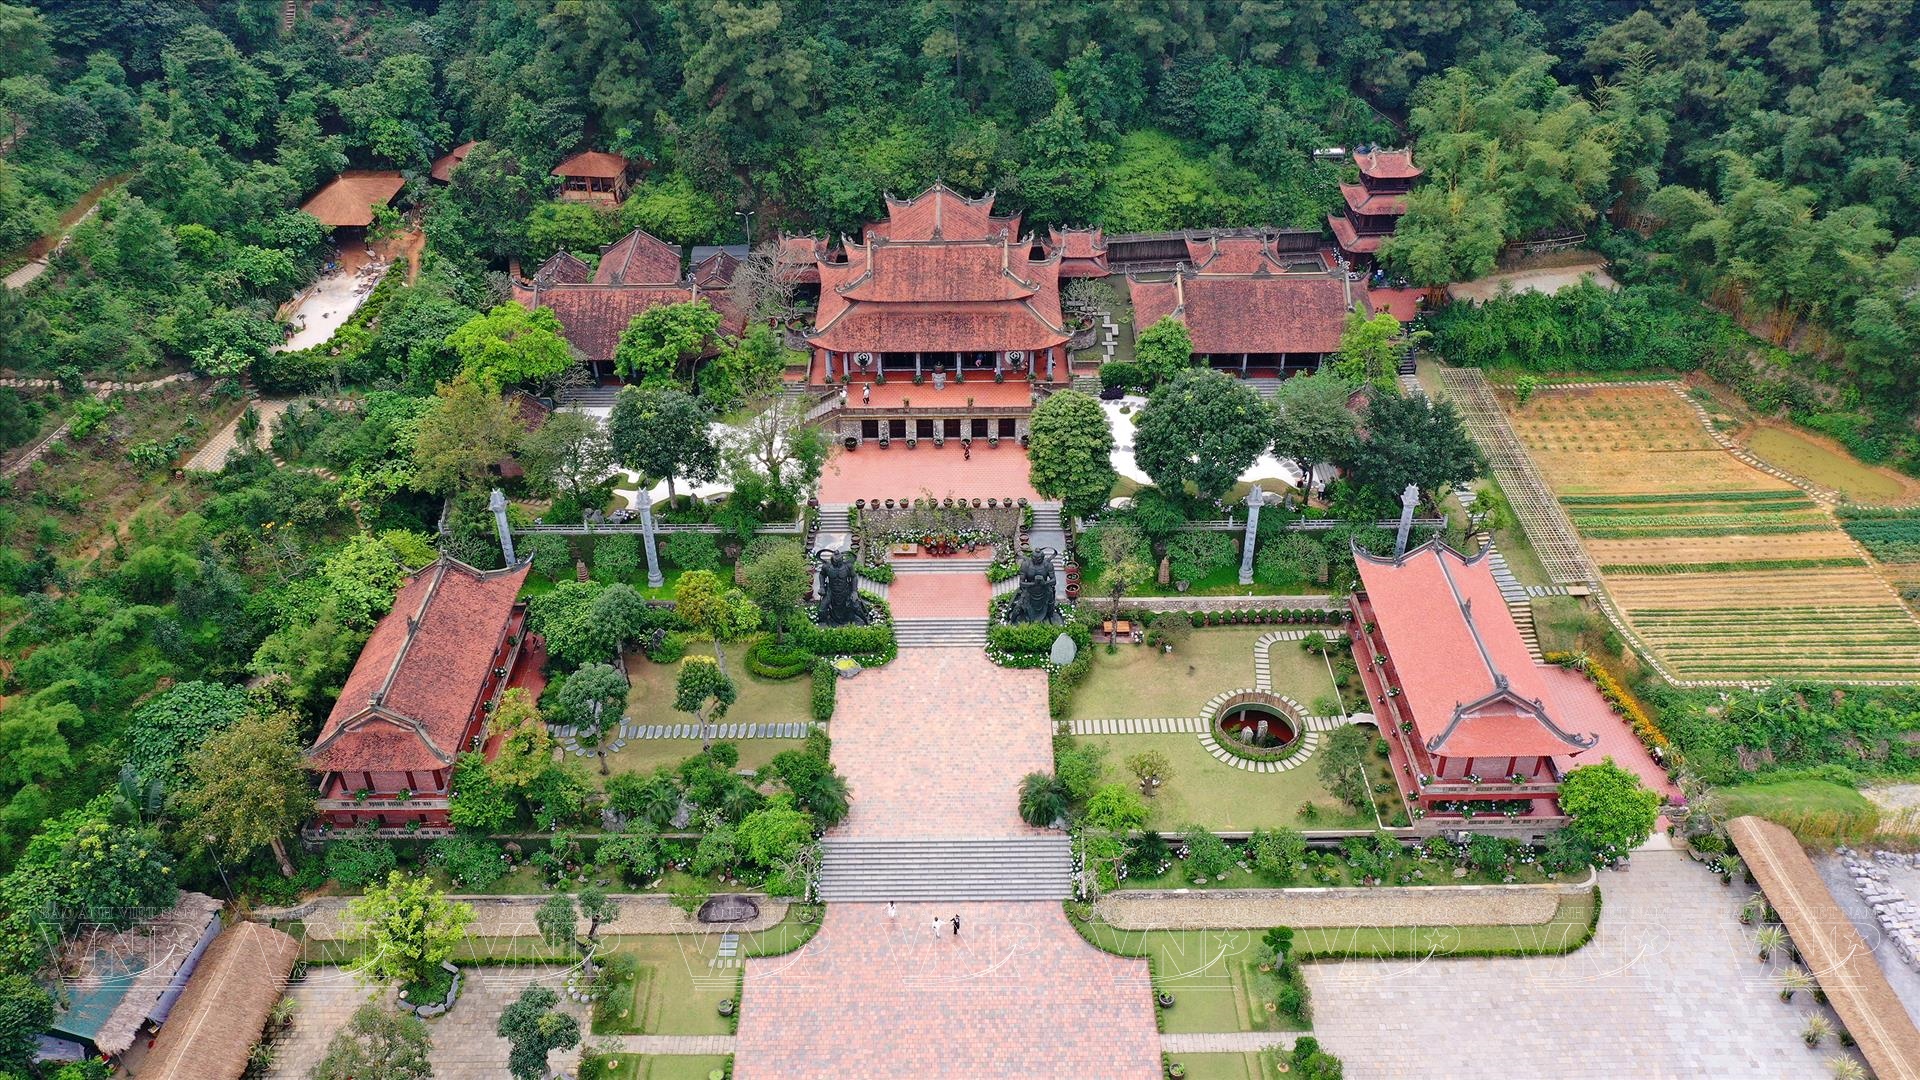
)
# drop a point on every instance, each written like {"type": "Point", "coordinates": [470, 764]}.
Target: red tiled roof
{"type": "Point", "coordinates": [638, 258]}
{"type": "Point", "coordinates": [1250, 313]}
{"type": "Point", "coordinates": [716, 270]}
{"type": "Point", "coordinates": [350, 198]}
{"type": "Point", "coordinates": [593, 163]}
{"type": "Point", "coordinates": [411, 695]}
{"type": "Point", "coordinates": [1388, 164]}
{"type": "Point", "coordinates": [1470, 686]}
{"type": "Point", "coordinates": [960, 272]}
{"type": "Point", "coordinates": [1232, 255]}
{"type": "Point", "coordinates": [1362, 201]}
{"type": "Point", "coordinates": [593, 316]}
{"type": "Point", "coordinates": [937, 328]}
{"type": "Point", "coordinates": [562, 268]}
{"type": "Point", "coordinates": [1350, 240]}
{"type": "Point", "coordinates": [943, 211]}
{"type": "Point", "coordinates": [800, 257]}
{"type": "Point", "coordinates": [1078, 243]}
{"type": "Point", "coordinates": [443, 167]}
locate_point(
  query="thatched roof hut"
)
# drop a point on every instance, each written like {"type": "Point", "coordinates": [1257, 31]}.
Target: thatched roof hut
{"type": "Point", "coordinates": [119, 980]}
{"type": "Point", "coordinates": [220, 1016]}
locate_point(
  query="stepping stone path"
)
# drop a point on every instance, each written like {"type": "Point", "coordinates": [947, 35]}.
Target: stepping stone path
{"type": "Point", "coordinates": [728, 955]}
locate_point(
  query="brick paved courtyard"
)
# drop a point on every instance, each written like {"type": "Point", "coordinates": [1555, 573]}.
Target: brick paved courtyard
{"type": "Point", "coordinates": [935, 594]}
{"type": "Point", "coordinates": [935, 744]}
{"type": "Point", "coordinates": [464, 1044]}
{"type": "Point", "coordinates": [1017, 994]}
{"type": "Point", "coordinates": [1669, 987]}
{"type": "Point", "coordinates": [899, 473]}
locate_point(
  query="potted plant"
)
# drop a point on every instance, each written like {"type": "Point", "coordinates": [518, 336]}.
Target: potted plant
{"type": "Point", "coordinates": [851, 442]}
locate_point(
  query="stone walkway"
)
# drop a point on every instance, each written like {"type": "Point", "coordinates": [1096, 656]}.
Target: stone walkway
{"type": "Point", "coordinates": [1257, 909]}
{"type": "Point", "coordinates": [1224, 1042]}
{"type": "Point", "coordinates": [934, 745]}
{"type": "Point", "coordinates": [1667, 988]}
{"type": "Point", "coordinates": [213, 456]}
{"type": "Point", "coordinates": [513, 917]}
{"type": "Point", "coordinates": [464, 1044]}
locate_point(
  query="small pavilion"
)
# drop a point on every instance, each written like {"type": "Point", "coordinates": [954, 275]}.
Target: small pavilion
{"type": "Point", "coordinates": [594, 176]}
{"type": "Point", "coordinates": [348, 200]}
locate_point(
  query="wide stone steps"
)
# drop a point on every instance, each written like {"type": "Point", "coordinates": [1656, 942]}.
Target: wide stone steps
{"type": "Point", "coordinates": [941, 633]}
{"type": "Point", "coordinates": [599, 397]}
{"type": "Point", "coordinates": [1266, 386]}
{"type": "Point", "coordinates": [927, 869]}
{"type": "Point", "coordinates": [1087, 384]}
{"type": "Point", "coordinates": [947, 564]}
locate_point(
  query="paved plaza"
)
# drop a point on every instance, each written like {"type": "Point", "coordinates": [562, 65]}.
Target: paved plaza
{"type": "Point", "coordinates": [989, 472]}
{"type": "Point", "coordinates": [464, 1043]}
{"type": "Point", "coordinates": [1018, 993]}
{"type": "Point", "coordinates": [1669, 987]}
{"type": "Point", "coordinates": [935, 744]}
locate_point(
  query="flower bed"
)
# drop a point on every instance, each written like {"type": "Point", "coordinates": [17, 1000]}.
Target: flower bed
{"type": "Point", "coordinates": [1643, 726]}
{"type": "Point", "coordinates": [1286, 707]}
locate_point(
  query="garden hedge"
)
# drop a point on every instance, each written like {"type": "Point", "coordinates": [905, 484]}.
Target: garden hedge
{"type": "Point", "coordinates": [769, 659]}
{"type": "Point", "coordinates": [825, 689]}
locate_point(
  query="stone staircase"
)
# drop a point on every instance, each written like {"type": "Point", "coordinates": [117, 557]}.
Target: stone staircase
{"type": "Point", "coordinates": [944, 633]}
{"type": "Point", "coordinates": [909, 870]}
{"type": "Point", "coordinates": [1086, 384]}
{"type": "Point", "coordinates": [836, 528]}
{"type": "Point", "coordinates": [1519, 603]}
{"type": "Point", "coordinates": [1265, 385]}
{"type": "Point", "coordinates": [590, 397]}
{"type": "Point", "coordinates": [946, 564]}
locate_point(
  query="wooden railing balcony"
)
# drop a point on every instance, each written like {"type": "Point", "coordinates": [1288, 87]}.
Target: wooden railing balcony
{"type": "Point", "coordinates": [415, 802]}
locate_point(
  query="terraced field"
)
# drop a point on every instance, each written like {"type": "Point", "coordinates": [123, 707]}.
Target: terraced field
{"type": "Point", "coordinates": [1724, 571]}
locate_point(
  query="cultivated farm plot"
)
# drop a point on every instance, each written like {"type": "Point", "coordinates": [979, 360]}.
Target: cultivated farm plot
{"type": "Point", "coordinates": [1726, 572]}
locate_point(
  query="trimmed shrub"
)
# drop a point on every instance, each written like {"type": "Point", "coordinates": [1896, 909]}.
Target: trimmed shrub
{"type": "Point", "coordinates": [772, 660]}
{"type": "Point", "coordinates": [360, 861]}
{"type": "Point", "coordinates": [616, 557]}
{"type": "Point", "coordinates": [1193, 555]}
{"type": "Point", "coordinates": [471, 862]}
{"type": "Point", "coordinates": [825, 687]}
{"type": "Point", "coordinates": [1123, 375]}
{"type": "Point", "coordinates": [691, 550]}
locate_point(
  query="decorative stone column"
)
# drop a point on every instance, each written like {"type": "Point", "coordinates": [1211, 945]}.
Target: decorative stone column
{"type": "Point", "coordinates": [497, 503]}
{"type": "Point", "coordinates": [654, 578]}
{"type": "Point", "coordinates": [1408, 500]}
{"type": "Point", "coordinates": [1254, 499]}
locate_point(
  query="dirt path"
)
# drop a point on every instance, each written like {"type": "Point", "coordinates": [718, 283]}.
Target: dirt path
{"type": "Point", "coordinates": [38, 252]}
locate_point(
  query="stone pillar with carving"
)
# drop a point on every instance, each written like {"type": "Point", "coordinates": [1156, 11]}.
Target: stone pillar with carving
{"type": "Point", "coordinates": [1409, 499]}
{"type": "Point", "coordinates": [497, 503]}
{"type": "Point", "coordinates": [1254, 500]}
{"type": "Point", "coordinates": [655, 578]}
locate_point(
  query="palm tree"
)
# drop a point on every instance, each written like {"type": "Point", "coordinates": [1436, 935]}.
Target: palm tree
{"type": "Point", "coordinates": [1794, 980]}
{"type": "Point", "coordinates": [660, 800]}
{"type": "Point", "coordinates": [1043, 800]}
{"type": "Point", "coordinates": [828, 798]}
{"type": "Point", "coordinates": [1817, 1028]}
{"type": "Point", "coordinates": [1767, 939]}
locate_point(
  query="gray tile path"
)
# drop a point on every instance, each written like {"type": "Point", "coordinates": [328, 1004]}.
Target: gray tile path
{"type": "Point", "coordinates": [1669, 987]}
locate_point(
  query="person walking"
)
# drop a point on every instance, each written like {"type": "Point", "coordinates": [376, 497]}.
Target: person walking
{"type": "Point", "coordinates": [956, 926]}
{"type": "Point", "coordinates": [891, 910]}
{"type": "Point", "coordinates": [936, 926]}
{"type": "Point", "coordinates": [866, 393]}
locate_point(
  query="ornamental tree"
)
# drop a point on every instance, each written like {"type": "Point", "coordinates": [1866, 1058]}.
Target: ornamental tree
{"type": "Point", "coordinates": [1312, 424]}
{"type": "Point", "coordinates": [704, 605]}
{"type": "Point", "coordinates": [559, 920]}
{"type": "Point", "coordinates": [510, 345]}
{"type": "Point", "coordinates": [525, 745]}
{"type": "Point", "coordinates": [569, 453]}
{"type": "Point", "coordinates": [1043, 800]}
{"type": "Point", "coordinates": [533, 1029]}
{"type": "Point", "coordinates": [1070, 452]}
{"type": "Point", "coordinates": [1411, 440]}
{"type": "Point", "coordinates": [468, 429]}
{"type": "Point", "coordinates": [1163, 350]}
{"type": "Point", "coordinates": [1611, 809]}
{"type": "Point", "coordinates": [247, 788]}
{"type": "Point", "coordinates": [777, 582]}
{"type": "Point", "coordinates": [1369, 350]}
{"type": "Point", "coordinates": [662, 432]}
{"type": "Point", "coordinates": [704, 692]}
{"type": "Point", "coordinates": [89, 865]}
{"type": "Point", "coordinates": [406, 928]}
{"type": "Point", "coordinates": [378, 1044]}
{"type": "Point", "coordinates": [1201, 429]}
{"type": "Point", "coordinates": [591, 700]}
{"type": "Point", "coordinates": [662, 342]}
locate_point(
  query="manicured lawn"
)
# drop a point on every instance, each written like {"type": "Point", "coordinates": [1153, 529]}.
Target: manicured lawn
{"type": "Point", "coordinates": [662, 1066]}
{"type": "Point", "coordinates": [1226, 1066]}
{"type": "Point", "coordinates": [677, 993]}
{"type": "Point", "coordinates": [1139, 681]}
{"type": "Point", "coordinates": [1568, 929]}
{"type": "Point", "coordinates": [1813, 809]}
{"type": "Point", "coordinates": [761, 701]}
{"type": "Point", "coordinates": [1301, 675]}
{"type": "Point", "coordinates": [1211, 793]}
{"type": "Point", "coordinates": [1210, 974]}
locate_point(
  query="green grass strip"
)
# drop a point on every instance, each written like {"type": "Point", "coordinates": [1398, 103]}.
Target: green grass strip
{"type": "Point", "coordinates": [1650, 533]}
{"type": "Point", "coordinates": [1754, 566]}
